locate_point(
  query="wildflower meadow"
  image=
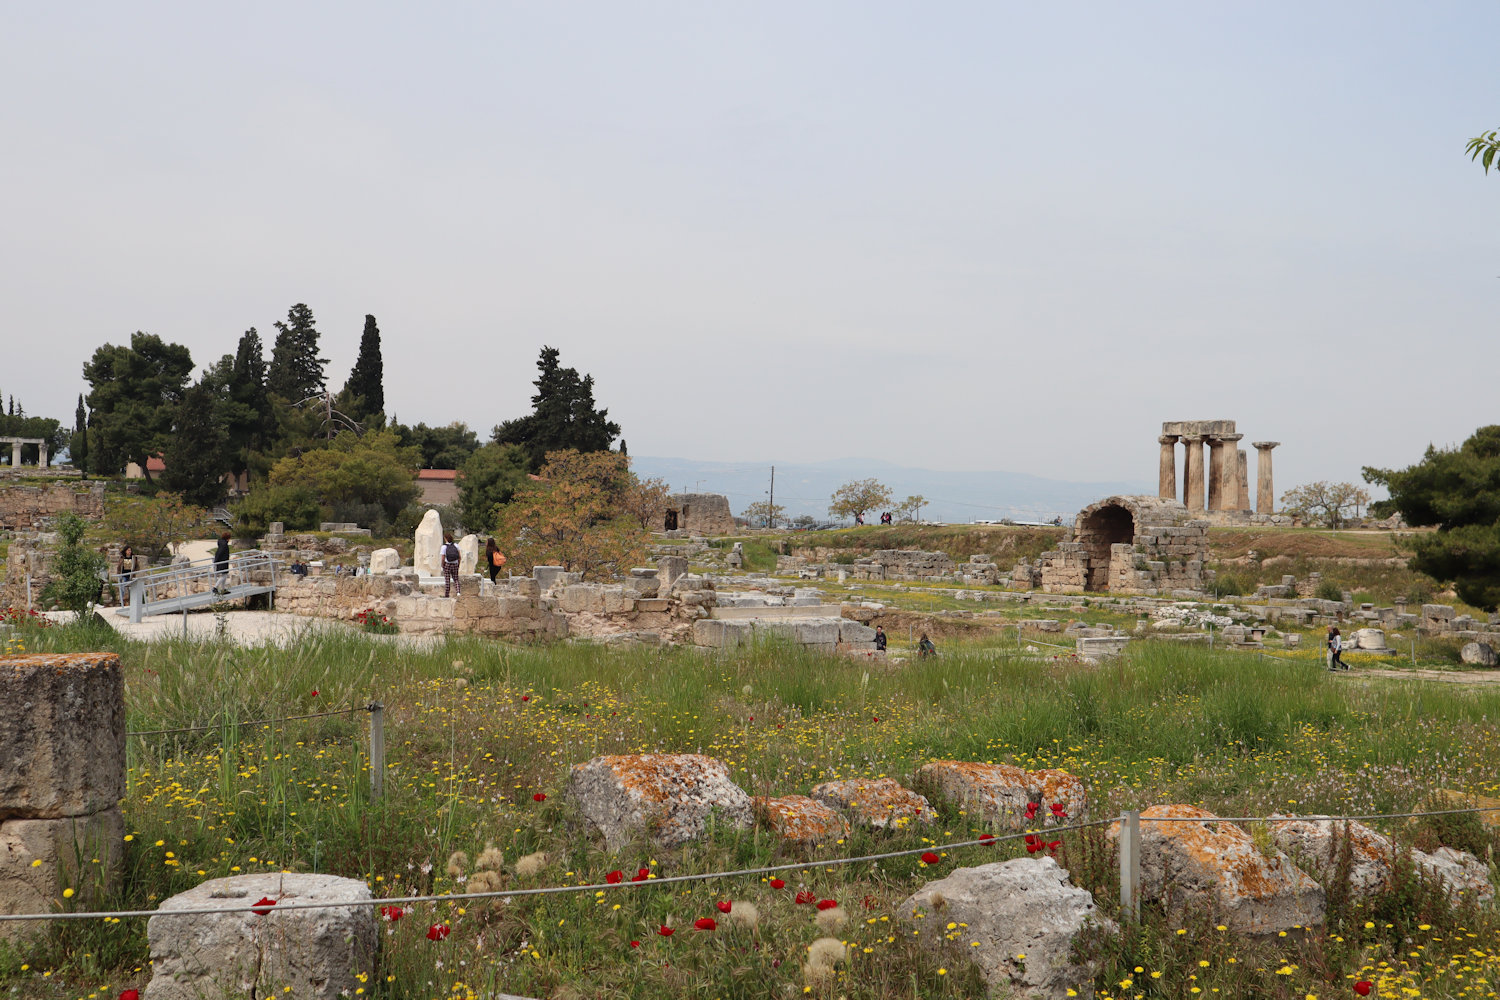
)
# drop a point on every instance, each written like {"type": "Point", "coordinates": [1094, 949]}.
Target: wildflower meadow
{"type": "Point", "coordinates": [257, 760]}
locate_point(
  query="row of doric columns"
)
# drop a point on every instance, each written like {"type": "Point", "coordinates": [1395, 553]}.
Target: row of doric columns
{"type": "Point", "coordinates": [1228, 479]}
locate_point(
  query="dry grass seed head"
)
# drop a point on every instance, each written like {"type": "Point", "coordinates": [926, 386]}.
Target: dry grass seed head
{"type": "Point", "coordinates": [745, 915]}
{"type": "Point", "coordinates": [531, 864]}
{"type": "Point", "coordinates": [485, 881]}
{"type": "Point", "coordinates": [491, 857]}
{"type": "Point", "coordinates": [458, 863]}
{"type": "Point", "coordinates": [830, 921]}
{"type": "Point", "coordinates": [826, 952]}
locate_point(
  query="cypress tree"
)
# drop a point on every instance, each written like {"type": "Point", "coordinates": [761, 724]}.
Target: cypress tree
{"type": "Point", "coordinates": [79, 445]}
{"type": "Point", "coordinates": [365, 389]}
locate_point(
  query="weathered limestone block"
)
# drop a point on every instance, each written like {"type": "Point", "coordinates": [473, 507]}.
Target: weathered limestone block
{"type": "Point", "coordinates": [582, 597]}
{"type": "Point", "coordinates": [1025, 906]}
{"type": "Point", "coordinates": [668, 570]}
{"type": "Point", "coordinates": [854, 632]}
{"type": "Point", "coordinates": [1000, 793]}
{"type": "Point", "coordinates": [667, 797]}
{"type": "Point", "coordinates": [317, 952]}
{"type": "Point", "coordinates": [546, 576]}
{"type": "Point", "coordinates": [468, 553]}
{"type": "Point", "coordinates": [427, 543]}
{"type": "Point", "coordinates": [1369, 638]}
{"type": "Point", "coordinates": [62, 727]}
{"type": "Point", "coordinates": [1217, 865]}
{"type": "Point", "coordinates": [1094, 649]}
{"type": "Point", "coordinates": [800, 819]}
{"type": "Point", "coordinates": [720, 634]}
{"type": "Point", "coordinates": [653, 604]}
{"type": "Point", "coordinates": [1314, 841]}
{"type": "Point", "coordinates": [1480, 654]}
{"type": "Point", "coordinates": [876, 802]}
{"type": "Point", "coordinates": [618, 601]}
{"type": "Point", "coordinates": [66, 849]}
{"type": "Point", "coordinates": [516, 607]}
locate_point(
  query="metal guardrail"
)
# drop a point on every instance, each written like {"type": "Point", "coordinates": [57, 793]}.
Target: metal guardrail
{"type": "Point", "coordinates": [164, 589]}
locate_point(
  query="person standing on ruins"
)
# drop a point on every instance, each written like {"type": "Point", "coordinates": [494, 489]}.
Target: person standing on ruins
{"type": "Point", "coordinates": [493, 558]}
{"type": "Point", "coordinates": [221, 564]}
{"type": "Point", "coordinates": [449, 560]}
{"type": "Point", "coordinates": [880, 638]}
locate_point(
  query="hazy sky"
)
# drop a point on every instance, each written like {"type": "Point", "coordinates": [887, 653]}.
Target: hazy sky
{"type": "Point", "coordinates": [957, 236]}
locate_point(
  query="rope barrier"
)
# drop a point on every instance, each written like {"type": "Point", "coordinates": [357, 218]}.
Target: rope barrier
{"type": "Point", "coordinates": [561, 889]}
{"type": "Point", "coordinates": [736, 873]}
{"type": "Point", "coordinates": [251, 722]}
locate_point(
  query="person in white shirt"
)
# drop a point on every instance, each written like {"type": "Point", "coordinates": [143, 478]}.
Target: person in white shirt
{"type": "Point", "coordinates": [1335, 648]}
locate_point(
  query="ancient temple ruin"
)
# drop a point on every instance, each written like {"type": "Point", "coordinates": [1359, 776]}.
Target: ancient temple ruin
{"type": "Point", "coordinates": [698, 514]}
{"type": "Point", "coordinates": [1227, 497]}
{"type": "Point", "coordinates": [1124, 545]}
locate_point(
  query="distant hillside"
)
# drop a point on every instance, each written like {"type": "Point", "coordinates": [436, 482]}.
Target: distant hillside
{"type": "Point", "coordinates": [954, 497]}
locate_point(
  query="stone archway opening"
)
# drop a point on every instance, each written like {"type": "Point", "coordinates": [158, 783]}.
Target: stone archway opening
{"type": "Point", "coordinates": [1097, 531]}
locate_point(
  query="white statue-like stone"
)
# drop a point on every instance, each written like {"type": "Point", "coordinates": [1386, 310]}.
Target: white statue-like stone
{"type": "Point", "coordinates": [428, 544]}
{"type": "Point", "coordinates": [468, 553]}
{"type": "Point", "coordinates": [385, 561]}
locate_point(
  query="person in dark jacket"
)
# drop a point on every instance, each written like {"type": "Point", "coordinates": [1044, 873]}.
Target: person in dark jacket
{"type": "Point", "coordinates": [221, 565]}
{"type": "Point", "coordinates": [493, 558]}
{"type": "Point", "coordinates": [880, 638]}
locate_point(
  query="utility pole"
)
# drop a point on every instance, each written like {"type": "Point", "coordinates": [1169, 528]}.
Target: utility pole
{"type": "Point", "coordinates": [771, 514]}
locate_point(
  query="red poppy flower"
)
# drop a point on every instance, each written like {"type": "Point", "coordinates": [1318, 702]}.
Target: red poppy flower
{"type": "Point", "coordinates": [986, 838]}
{"type": "Point", "coordinates": [706, 924]}
{"type": "Point", "coordinates": [438, 931]}
{"type": "Point", "coordinates": [665, 931]}
{"type": "Point", "coordinates": [1033, 848]}
{"type": "Point", "coordinates": [525, 697]}
{"type": "Point", "coordinates": [725, 906]}
{"type": "Point", "coordinates": [1032, 838]}
{"type": "Point", "coordinates": [827, 904]}
{"type": "Point", "coordinates": [1054, 845]}
{"type": "Point", "coordinates": [1057, 810]}
{"type": "Point", "coordinates": [263, 906]}
{"type": "Point", "coordinates": [929, 858]}
{"type": "Point", "coordinates": [641, 875]}
{"type": "Point", "coordinates": [539, 797]}
{"type": "Point", "coordinates": [392, 913]}
{"type": "Point", "coordinates": [635, 944]}
{"type": "Point", "coordinates": [1363, 987]}
{"type": "Point", "coordinates": [1031, 810]}
{"type": "Point", "coordinates": [615, 877]}
{"type": "Point", "coordinates": [804, 897]}
{"type": "Point", "coordinates": [130, 995]}
{"type": "Point", "coordinates": [777, 883]}
{"type": "Point", "coordinates": [314, 692]}
{"type": "Point", "coordinates": [875, 718]}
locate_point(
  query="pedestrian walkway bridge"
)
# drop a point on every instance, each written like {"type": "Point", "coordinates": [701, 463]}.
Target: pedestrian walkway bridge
{"type": "Point", "coordinates": [179, 588]}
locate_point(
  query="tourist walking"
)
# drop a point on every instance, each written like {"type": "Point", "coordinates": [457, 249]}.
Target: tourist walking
{"type": "Point", "coordinates": [449, 558]}
{"type": "Point", "coordinates": [1335, 650]}
{"type": "Point", "coordinates": [127, 567]}
{"type": "Point", "coordinates": [925, 648]}
{"type": "Point", "coordinates": [221, 565]}
{"type": "Point", "coordinates": [493, 558]}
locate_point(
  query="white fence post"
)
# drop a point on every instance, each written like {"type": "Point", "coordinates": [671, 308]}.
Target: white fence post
{"type": "Point", "coordinates": [1130, 864]}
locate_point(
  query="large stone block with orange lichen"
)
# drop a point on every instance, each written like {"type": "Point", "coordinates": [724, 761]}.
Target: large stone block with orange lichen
{"type": "Point", "coordinates": [876, 802]}
{"type": "Point", "coordinates": [1000, 793]}
{"type": "Point", "coordinates": [1317, 841]}
{"type": "Point", "coordinates": [800, 819]}
{"type": "Point", "coordinates": [1199, 860]}
{"type": "Point", "coordinates": [670, 798]}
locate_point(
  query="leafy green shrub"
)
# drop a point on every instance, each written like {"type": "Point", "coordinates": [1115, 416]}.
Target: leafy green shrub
{"type": "Point", "coordinates": [295, 506]}
{"type": "Point", "coordinates": [76, 571]}
{"type": "Point", "coordinates": [1226, 584]}
{"type": "Point", "coordinates": [1329, 591]}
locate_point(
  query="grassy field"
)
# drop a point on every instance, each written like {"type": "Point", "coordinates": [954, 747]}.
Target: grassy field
{"type": "Point", "coordinates": [480, 737]}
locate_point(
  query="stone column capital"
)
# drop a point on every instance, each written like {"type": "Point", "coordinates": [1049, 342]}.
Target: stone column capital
{"type": "Point", "coordinates": [1168, 438]}
{"type": "Point", "coordinates": [1226, 438]}
{"type": "Point", "coordinates": [1265, 445]}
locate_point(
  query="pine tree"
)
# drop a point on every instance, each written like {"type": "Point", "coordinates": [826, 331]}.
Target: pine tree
{"type": "Point", "coordinates": [364, 392]}
{"type": "Point", "coordinates": [563, 415]}
{"type": "Point", "coordinates": [133, 399]}
{"type": "Point", "coordinates": [296, 371]}
{"type": "Point", "coordinates": [78, 447]}
{"type": "Point", "coordinates": [197, 457]}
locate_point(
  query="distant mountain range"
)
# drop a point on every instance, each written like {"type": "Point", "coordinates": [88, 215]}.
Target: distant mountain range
{"type": "Point", "coordinates": [953, 497]}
